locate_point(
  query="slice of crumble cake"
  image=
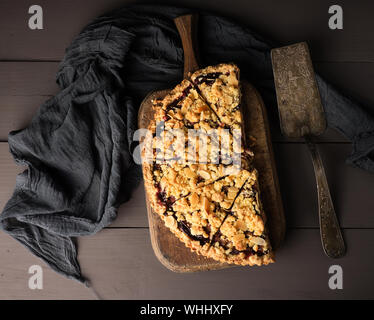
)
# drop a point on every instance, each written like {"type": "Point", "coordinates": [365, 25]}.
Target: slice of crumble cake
{"type": "Point", "coordinates": [219, 86]}
{"type": "Point", "coordinates": [210, 202]}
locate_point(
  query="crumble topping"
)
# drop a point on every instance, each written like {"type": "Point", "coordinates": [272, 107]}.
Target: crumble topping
{"type": "Point", "coordinates": [211, 204]}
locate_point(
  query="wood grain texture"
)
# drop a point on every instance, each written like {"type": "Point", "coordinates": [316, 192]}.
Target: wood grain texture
{"type": "Point", "coordinates": [351, 188]}
{"type": "Point", "coordinates": [21, 95]}
{"type": "Point", "coordinates": [256, 125]}
{"type": "Point", "coordinates": [121, 265]}
{"type": "Point", "coordinates": [187, 29]}
{"type": "Point", "coordinates": [8, 173]}
{"type": "Point", "coordinates": [28, 78]}
{"type": "Point", "coordinates": [168, 249]}
{"type": "Point", "coordinates": [295, 21]}
{"type": "Point", "coordinates": [120, 261]}
{"type": "Point", "coordinates": [16, 112]}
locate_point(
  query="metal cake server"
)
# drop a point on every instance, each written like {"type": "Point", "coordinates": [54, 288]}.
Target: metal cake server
{"type": "Point", "coordinates": [301, 115]}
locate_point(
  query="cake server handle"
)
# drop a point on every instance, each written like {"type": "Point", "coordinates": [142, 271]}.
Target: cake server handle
{"type": "Point", "coordinates": [331, 236]}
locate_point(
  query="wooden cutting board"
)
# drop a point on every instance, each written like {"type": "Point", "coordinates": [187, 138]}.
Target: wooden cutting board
{"type": "Point", "coordinates": [171, 252]}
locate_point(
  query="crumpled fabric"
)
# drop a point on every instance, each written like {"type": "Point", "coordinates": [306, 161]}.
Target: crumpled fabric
{"type": "Point", "coordinates": [78, 147]}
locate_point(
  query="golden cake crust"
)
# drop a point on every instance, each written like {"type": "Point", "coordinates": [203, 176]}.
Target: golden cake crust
{"type": "Point", "coordinates": [213, 209]}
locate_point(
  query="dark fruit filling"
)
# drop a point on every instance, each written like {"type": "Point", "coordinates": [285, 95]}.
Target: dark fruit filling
{"type": "Point", "coordinates": [162, 199]}
{"type": "Point", "coordinates": [200, 179]}
{"type": "Point", "coordinates": [216, 206]}
{"type": "Point", "coordinates": [184, 227]}
{"type": "Point", "coordinates": [250, 252]}
{"type": "Point", "coordinates": [248, 233]}
{"type": "Point", "coordinates": [161, 195]}
{"type": "Point", "coordinates": [174, 104]}
{"type": "Point", "coordinates": [234, 251]}
{"type": "Point", "coordinates": [212, 124]}
{"type": "Point", "coordinates": [207, 78]}
{"type": "Point", "coordinates": [158, 103]}
{"type": "Point", "coordinates": [188, 124]}
{"type": "Point", "coordinates": [207, 229]}
{"type": "Point", "coordinates": [225, 190]}
{"type": "Point", "coordinates": [170, 201]}
{"type": "Point", "coordinates": [216, 236]}
{"type": "Point", "coordinates": [224, 243]}
{"type": "Point", "coordinates": [225, 126]}
{"type": "Point", "coordinates": [256, 211]}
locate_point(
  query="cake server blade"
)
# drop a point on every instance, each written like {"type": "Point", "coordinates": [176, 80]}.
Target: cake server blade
{"type": "Point", "coordinates": [301, 115]}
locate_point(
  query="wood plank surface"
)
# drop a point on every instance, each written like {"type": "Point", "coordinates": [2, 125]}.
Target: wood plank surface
{"type": "Point", "coordinates": [21, 95]}
{"type": "Point", "coordinates": [16, 112]}
{"type": "Point", "coordinates": [121, 265]}
{"type": "Point", "coordinates": [28, 78]}
{"type": "Point", "coordinates": [119, 260]}
{"type": "Point", "coordinates": [351, 188]}
{"type": "Point", "coordinates": [284, 21]}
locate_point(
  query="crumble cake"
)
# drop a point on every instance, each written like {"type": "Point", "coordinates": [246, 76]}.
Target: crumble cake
{"type": "Point", "coordinates": [219, 86]}
{"type": "Point", "coordinates": [210, 203]}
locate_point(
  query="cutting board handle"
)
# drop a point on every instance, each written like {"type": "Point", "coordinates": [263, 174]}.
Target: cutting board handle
{"type": "Point", "coordinates": [187, 28]}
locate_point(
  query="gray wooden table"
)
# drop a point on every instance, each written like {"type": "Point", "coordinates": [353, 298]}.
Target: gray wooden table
{"type": "Point", "coordinates": [119, 260]}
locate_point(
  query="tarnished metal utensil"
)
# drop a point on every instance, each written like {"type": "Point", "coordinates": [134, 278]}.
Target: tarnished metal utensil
{"type": "Point", "coordinates": [301, 115]}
